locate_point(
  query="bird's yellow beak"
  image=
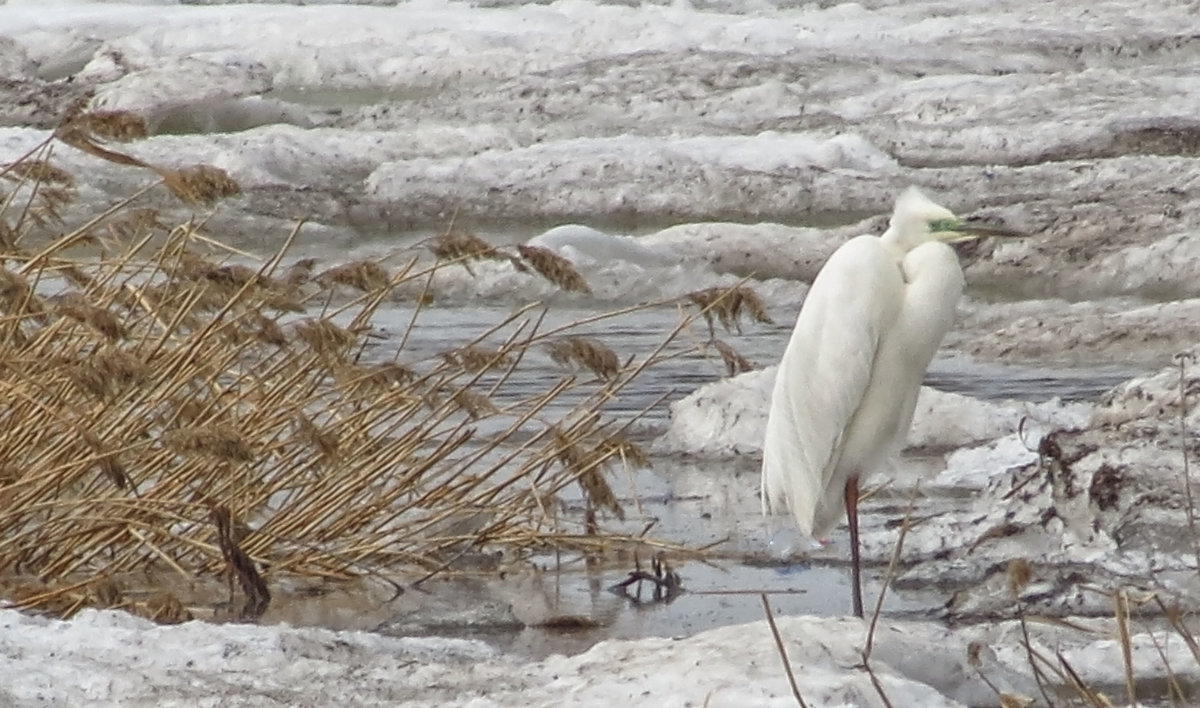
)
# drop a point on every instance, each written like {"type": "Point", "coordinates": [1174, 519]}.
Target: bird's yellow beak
{"type": "Point", "coordinates": [957, 230]}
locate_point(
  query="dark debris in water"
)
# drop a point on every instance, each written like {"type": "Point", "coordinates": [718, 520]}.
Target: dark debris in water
{"type": "Point", "coordinates": [665, 583]}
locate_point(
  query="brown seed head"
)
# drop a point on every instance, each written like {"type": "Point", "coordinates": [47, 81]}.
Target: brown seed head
{"type": "Point", "coordinates": [622, 448]}
{"type": "Point", "coordinates": [119, 126]}
{"type": "Point", "coordinates": [555, 268]}
{"type": "Point", "coordinates": [590, 476]}
{"type": "Point", "coordinates": [728, 304]}
{"type": "Point", "coordinates": [383, 376]}
{"type": "Point", "coordinates": [219, 442]}
{"type": "Point", "coordinates": [300, 271]}
{"type": "Point", "coordinates": [735, 363]}
{"type": "Point", "coordinates": [454, 245]}
{"type": "Point", "coordinates": [325, 338]}
{"type": "Point", "coordinates": [200, 185]}
{"type": "Point", "coordinates": [325, 442]}
{"type": "Point", "coordinates": [588, 353]}
{"type": "Point", "coordinates": [108, 373]}
{"type": "Point", "coordinates": [367, 276]}
{"type": "Point", "coordinates": [476, 359]}
{"type": "Point", "coordinates": [1019, 574]}
{"type": "Point", "coordinates": [74, 306]}
{"type": "Point", "coordinates": [16, 295]}
{"type": "Point", "coordinates": [39, 171]}
{"type": "Point", "coordinates": [474, 404]}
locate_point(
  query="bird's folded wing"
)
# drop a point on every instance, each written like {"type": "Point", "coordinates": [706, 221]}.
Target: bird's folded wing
{"type": "Point", "coordinates": [823, 377]}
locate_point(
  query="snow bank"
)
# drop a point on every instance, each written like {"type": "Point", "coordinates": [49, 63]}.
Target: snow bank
{"type": "Point", "coordinates": [728, 417]}
{"type": "Point", "coordinates": [109, 659]}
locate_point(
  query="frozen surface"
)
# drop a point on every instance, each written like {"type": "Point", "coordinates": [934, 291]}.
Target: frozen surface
{"type": "Point", "coordinates": [728, 417]}
{"type": "Point", "coordinates": [667, 148]}
{"type": "Point", "coordinates": [752, 136]}
{"type": "Point", "coordinates": [569, 107]}
{"type": "Point", "coordinates": [109, 659]}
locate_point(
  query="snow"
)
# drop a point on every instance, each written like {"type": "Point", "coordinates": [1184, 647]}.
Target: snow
{"type": "Point", "coordinates": [728, 417]}
{"type": "Point", "coordinates": [109, 658]}
{"type": "Point", "coordinates": [577, 110]}
{"type": "Point", "coordinates": [105, 658]}
{"type": "Point", "coordinates": [665, 149]}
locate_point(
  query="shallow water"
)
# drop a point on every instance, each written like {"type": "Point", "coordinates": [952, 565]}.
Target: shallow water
{"type": "Point", "coordinates": [691, 502]}
{"type": "Point", "coordinates": [1070, 120]}
{"type": "Point", "coordinates": [638, 333]}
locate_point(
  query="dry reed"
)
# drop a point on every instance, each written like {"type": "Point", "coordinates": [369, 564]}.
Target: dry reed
{"type": "Point", "coordinates": [555, 268]}
{"type": "Point", "coordinates": [475, 358]}
{"type": "Point", "coordinates": [201, 185]}
{"type": "Point", "coordinates": [216, 442]}
{"type": "Point", "coordinates": [366, 276]}
{"type": "Point", "coordinates": [150, 386]}
{"type": "Point", "coordinates": [460, 245]}
{"type": "Point", "coordinates": [239, 565]}
{"type": "Point", "coordinates": [729, 305]}
{"type": "Point", "coordinates": [735, 363]}
{"type": "Point", "coordinates": [588, 353]}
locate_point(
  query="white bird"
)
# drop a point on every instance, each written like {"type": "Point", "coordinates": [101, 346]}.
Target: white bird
{"type": "Point", "coordinates": [847, 385]}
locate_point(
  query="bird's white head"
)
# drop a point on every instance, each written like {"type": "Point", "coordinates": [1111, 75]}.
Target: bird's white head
{"type": "Point", "coordinates": [917, 220]}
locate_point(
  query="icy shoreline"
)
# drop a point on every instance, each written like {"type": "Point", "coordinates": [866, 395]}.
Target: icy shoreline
{"type": "Point", "coordinates": [107, 658]}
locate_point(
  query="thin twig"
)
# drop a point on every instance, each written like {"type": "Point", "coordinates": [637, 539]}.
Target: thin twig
{"type": "Point", "coordinates": [893, 564]}
{"type": "Point", "coordinates": [875, 681]}
{"type": "Point", "coordinates": [1121, 614]}
{"type": "Point", "coordinates": [787, 664]}
{"type": "Point", "coordinates": [1038, 676]}
{"type": "Point", "coordinates": [1183, 447]}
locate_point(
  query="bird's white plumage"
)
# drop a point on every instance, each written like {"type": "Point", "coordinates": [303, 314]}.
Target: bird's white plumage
{"type": "Point", "coordinates": [847, 384]}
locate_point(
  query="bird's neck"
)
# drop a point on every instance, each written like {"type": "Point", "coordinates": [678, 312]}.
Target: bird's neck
{"type": "Point", "coordinates": [894, 243]}
{"type": "Point", "coordinates": [901, 241]}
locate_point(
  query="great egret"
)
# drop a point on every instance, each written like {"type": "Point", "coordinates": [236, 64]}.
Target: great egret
{"type": "Point", "coordinates": [848, 382]}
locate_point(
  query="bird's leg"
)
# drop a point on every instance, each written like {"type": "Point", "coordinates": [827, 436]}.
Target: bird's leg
{"type": "Point", "coordinates": [852, 519]}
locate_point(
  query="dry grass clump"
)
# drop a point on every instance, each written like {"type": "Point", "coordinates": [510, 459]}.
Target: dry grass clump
{"type": "Point", "coordinates": [729, 304]}
{"type": "Point", "coordinates": [158, 405]}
